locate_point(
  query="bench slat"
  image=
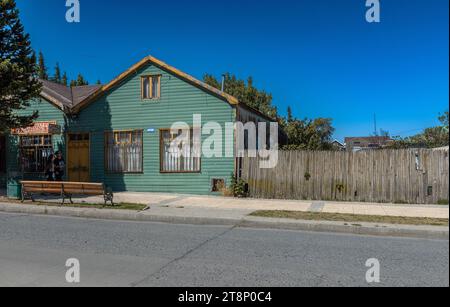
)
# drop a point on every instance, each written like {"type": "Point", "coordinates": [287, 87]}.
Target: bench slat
{"type": "Point", "coordinates": [66, 188]}
{"type": "Point", "coordinates": [37, 190]}
{"type": "Point", "coordinates": [83, 192]}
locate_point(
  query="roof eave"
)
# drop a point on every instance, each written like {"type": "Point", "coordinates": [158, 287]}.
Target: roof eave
{"type": "Point", "coordinates": [149, 59]}
{"type": "Point", "coordinates": [53, 101]}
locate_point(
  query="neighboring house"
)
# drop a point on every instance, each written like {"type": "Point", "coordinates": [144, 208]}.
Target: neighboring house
{"type": "Point", "coordinates": [338, 145]}
{"type": "Point", "coordinates": [367, 143]}
{"type": "Point", "coordinates": [119, 133]}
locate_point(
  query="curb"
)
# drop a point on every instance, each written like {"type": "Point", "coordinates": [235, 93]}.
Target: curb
{"type": "Point", "coordinates": [424, 232]}
{"type": "Point", "coordinates": [370, 229]}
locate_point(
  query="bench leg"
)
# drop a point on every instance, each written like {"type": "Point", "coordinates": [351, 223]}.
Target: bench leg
{"type": "Point", "coordinates": [66, 196]}
{"type": "Point", "coordinates": [108, 197]}
{"type": "Point", "coordinates": [27, 195]}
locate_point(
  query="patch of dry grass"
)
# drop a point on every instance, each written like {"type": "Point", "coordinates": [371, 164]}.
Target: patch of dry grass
{"type": "Point", "coordinates": [351, 218]}
{"type": "Point", "coordinates": [120, 206]}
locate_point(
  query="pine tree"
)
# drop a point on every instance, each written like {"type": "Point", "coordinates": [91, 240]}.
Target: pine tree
{"type": "Point", "coordinates": [42, 69]}
{"type": "Point", "coordinates": [245, 92]}
{"type": "Point", "coordinates": [57, 76]}
{"type": "Point", "coordinates": [73, 83]}
{"type": "Point", "coordinates": [81, 81]}
{"type": "Point", "coordinates": [18, 71]}
{"type": "Point", "coordinates": [64, 79]}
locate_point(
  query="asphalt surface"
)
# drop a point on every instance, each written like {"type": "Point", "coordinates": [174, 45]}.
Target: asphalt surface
{"type": "Point", "coordinates": [34, 250]}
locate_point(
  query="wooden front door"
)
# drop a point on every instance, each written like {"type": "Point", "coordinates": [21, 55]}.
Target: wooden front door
{"type": "Point", "coordinates": [78, 157]}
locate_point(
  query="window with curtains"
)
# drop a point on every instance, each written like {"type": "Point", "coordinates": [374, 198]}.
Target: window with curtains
{"type": "Point", "coordinates": [124, 151]}
{"type": "Point", "coordinates": [35, 151]}
{"type": "Point", "coordinates": [151, 87]}
{"type": "Point", "coordinates": [172, 162]}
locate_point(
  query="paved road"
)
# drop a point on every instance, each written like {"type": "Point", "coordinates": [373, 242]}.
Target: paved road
{"type": "Point", "coordinates": [34, 249]}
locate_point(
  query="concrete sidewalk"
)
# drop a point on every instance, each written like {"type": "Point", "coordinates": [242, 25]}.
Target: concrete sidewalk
{"type": "Point", "coordinates": [226, 217]}
{"type": "Point", "coordinates": [171, 203]}
{"type": "Point", "coordinates": [205, 210]}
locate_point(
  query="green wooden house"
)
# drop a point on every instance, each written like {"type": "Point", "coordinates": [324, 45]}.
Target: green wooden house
{"type": "Point", "coordinates": [119, 133]}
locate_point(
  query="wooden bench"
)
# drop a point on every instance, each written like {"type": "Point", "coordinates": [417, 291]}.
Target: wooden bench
{"type": "Point", "coordinates": [65, 190]}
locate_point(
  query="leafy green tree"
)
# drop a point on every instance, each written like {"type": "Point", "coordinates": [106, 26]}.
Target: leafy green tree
{"type": "Point", "coordinates": [42, 69]}
{"type": "Point", "coordinates": [245, 92]}
{"type": "Point", "coordinates": [304, 134]}
{"type": "Point", "coordinates": [18, 71]}
{"type": "Point", "coordinates": [444, 120]}
{"type": "Point", "coordinates": [308, 134]}
{"type": "Point", "coordinates": [430, 138]}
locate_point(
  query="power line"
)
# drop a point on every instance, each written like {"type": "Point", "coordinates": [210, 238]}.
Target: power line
{"type": "Point", "coordinates": [408, 131]}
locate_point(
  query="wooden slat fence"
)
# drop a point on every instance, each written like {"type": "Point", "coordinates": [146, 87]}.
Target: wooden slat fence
{"type": "Point", "coordinates": [419, 176]}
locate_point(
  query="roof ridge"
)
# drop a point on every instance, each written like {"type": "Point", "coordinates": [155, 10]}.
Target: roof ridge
{"type": "Point", "coordinates": [150, 59]}
{"type": "Point", "coordinates": [100, 89]}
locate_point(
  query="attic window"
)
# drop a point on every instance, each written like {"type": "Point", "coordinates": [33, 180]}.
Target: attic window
{"type": "Point", "coordinates": [151, 87]}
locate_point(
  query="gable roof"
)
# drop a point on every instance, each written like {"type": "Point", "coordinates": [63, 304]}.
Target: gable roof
{"type": "Point", "coordinates": [164, 66]}
{"type": "Point", "coordinates": [76, 98]}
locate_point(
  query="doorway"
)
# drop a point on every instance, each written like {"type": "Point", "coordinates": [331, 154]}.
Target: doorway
{"type": "Point", "coordinates": [78, 157]}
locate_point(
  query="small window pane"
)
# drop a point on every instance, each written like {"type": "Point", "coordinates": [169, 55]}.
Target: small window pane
{"type": "Point", "coordinates": [151, 87]}
{"type": "Point", "coordinates": [155, 88]}
{"type": "Point", "coordinates": [34, 153]}
{"type": "Point", "coordinates": [146, 88]}
{"type": "Point", "coordinates": [123, 152]}
{"type": "Point", "coordinates": [188, 162]}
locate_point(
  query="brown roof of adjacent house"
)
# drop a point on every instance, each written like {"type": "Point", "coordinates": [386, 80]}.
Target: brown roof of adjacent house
{"type": "Point", "coordinates": [66, 97]}
{"type": "Point", "coordinates": [80, 93]}
{"type": "Point", "coordinates": [58, 94]}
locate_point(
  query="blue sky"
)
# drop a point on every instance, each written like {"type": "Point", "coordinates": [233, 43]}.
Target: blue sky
{"type": "Point", "coordinates": [319, 56]}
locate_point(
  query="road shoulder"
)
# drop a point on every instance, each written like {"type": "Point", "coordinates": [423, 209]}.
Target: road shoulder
{"type": "Point", "coordinates": [238, 218]}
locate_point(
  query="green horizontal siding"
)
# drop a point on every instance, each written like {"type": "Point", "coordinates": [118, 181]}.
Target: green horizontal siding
{"type": "Point", "coordinates": [123, 109]}
{"type": "Point", "coordinates": [47, 112]}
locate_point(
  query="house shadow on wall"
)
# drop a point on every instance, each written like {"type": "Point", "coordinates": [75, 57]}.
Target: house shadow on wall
{"type": "Point", "coordinates": [114, 180]}
{"type": "Point", "coordinates": [96, 120]}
